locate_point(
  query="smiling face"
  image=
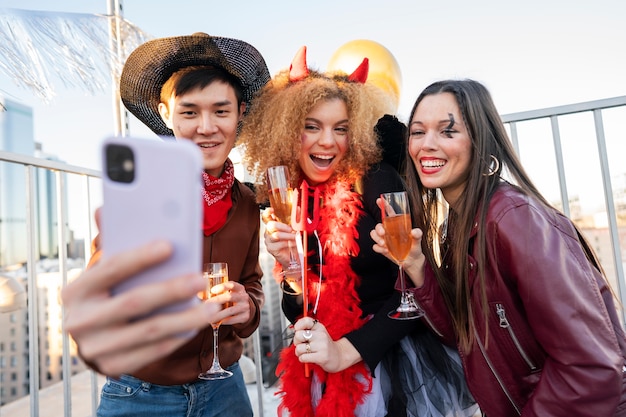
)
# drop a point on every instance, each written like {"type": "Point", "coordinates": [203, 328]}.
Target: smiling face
{"type": "Point", "coordinates": [324, 140]}
{"type": "Point", "coordinates": [440, 145]}
{"type": "Point", "coordinates": [209, 117]}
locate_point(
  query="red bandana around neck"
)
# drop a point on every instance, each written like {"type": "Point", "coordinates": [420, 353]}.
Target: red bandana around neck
{"type": "Point", "coordinates": [217, 194]}
{"type": "Point", "coordinates": [339, 311]}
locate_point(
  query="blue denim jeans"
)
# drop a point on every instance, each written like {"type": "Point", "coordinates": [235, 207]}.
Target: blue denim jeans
{"type": "Point", "coordinates": [129, 396]}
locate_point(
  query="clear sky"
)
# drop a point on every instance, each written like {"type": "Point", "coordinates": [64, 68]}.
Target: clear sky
{"type": "Point", "coordinates": [530, 54]}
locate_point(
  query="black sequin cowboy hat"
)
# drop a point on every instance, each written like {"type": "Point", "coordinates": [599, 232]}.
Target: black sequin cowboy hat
{"type": "Point", "coordinates": [149, 66]}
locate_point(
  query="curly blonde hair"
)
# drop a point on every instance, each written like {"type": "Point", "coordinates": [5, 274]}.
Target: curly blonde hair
{"type": "Point", "coordinates": [271, 132]}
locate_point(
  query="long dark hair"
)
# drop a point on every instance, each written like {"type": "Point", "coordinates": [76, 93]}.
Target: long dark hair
{"type": "Point", "coordinates": [490, 142]}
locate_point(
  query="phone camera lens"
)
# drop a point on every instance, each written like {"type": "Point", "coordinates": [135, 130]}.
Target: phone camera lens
{"type": "Point", "coordinates": [120, 163]}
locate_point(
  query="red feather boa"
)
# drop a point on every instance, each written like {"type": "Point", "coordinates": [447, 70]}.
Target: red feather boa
{"type": "Point", "coordinates": [338, 310]}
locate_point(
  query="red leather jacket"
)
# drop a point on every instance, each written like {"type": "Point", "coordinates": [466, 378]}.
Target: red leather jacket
{"type": "Point", "coordinates": [555, 346]}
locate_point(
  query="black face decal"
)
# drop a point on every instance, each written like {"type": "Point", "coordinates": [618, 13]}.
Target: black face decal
{"type": "Point", "coordinates": [451, 116]}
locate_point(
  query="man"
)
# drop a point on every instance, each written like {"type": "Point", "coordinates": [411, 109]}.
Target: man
{"type": "Point", "coordinates": [192, 88]}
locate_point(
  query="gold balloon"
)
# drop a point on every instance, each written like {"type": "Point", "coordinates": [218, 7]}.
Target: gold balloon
{"type": "Point", "coordinates": [384, 71]}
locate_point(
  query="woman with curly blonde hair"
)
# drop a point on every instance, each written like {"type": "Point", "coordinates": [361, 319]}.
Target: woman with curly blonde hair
{"type": "Point", "coordinates": [272, 132]}
{"type": "Point", "coordinates": [321, 125]}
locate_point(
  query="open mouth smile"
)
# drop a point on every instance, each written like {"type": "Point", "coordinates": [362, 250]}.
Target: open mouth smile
{"type": "Point", "coordinates": [322, 161]}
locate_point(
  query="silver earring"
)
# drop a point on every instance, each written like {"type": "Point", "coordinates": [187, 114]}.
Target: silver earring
{"type": "Point", "coordinates": [494, 166]}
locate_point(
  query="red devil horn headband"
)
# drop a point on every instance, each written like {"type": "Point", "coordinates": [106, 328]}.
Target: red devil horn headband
{"type": "Point", "coordinates": [298, 69]}
{"type": "Point", "coordinates": [360, 73]}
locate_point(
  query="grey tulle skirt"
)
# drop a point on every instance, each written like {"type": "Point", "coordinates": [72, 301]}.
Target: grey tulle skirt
{"type": "Point", "coordinates": [419, 377]}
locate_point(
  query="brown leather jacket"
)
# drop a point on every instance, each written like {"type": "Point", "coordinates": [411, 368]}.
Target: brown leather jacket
{"type": "Point", "coordinates": [237, 243]}
{"type": "Point", "coordinates": [555, 345]}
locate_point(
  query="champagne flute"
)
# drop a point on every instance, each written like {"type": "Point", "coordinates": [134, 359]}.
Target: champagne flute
{"type": "Point", "coordinates": [215, 273]}
{"type": "Point", "coordinates": [397, 223]}
{"type": "Point", "coordinates": [280, 192]}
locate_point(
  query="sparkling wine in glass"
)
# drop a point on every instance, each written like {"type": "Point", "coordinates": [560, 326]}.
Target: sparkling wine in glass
{"type": "Point", "coordinates": [280, 192]}
{"type": "Point", "coordinates": [396, 217]}
{"type": "Point", "coordinates": [215, 273]}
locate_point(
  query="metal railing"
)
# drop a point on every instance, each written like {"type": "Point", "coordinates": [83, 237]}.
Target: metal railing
{"type": "Point", "coordinates": [555, 115]}
{"type": "Point", "coordinates": [60, 170]}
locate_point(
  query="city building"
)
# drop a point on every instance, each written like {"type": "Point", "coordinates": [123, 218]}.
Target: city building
{"type": "Point", "coordinates": [16, 136]}
{"type": "Point", "coordinates": [16, 121]}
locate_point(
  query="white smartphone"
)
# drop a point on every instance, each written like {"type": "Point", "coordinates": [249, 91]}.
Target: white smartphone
{"type": "Point", "coordinates": [152, 189]}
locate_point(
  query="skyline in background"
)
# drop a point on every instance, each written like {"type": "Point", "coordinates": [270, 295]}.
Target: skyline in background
{"type": "Point", "coordinates": [530, 55]}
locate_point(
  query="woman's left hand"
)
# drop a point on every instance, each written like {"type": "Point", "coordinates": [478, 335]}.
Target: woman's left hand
{"type": "Point", "coordinates": [314, 345]}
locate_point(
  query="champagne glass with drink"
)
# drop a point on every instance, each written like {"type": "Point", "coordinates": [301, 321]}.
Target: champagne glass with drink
{"type": "Point", "coordinates": [280, 192]}
{"type": "Point", "coordinates": [396, 217]}
{"type": "Point", "coordinates": [215, 273]}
